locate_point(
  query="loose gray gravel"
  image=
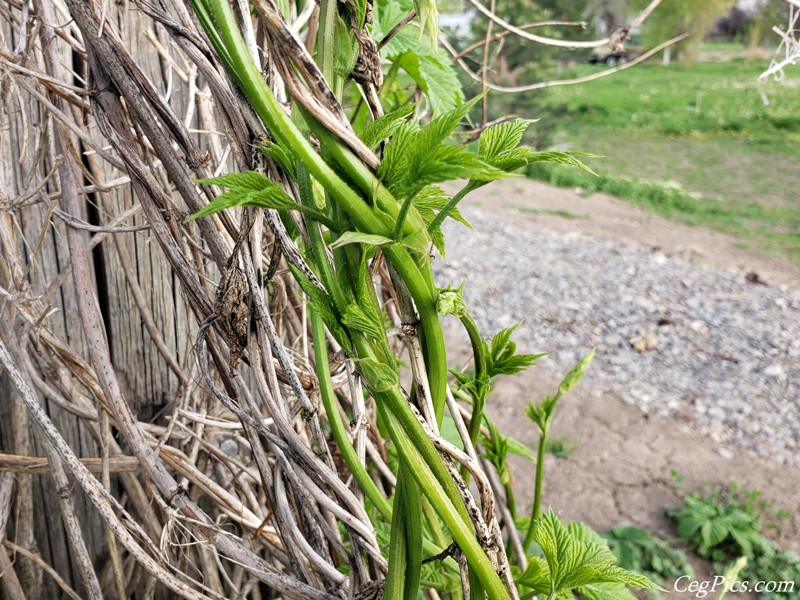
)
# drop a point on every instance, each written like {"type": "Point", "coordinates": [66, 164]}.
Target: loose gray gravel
{"type": "Point", "coordinates": [715, 352]}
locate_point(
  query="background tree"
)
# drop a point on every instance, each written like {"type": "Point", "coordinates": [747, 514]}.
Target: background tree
{"type": "Point", "coordinates": [679, 16]}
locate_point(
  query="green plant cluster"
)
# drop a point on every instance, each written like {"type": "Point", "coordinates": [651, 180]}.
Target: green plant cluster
{"type": "Point", "coordinates": [722, 525]}
{"type": "Point", "coordinates": [561, 447]}
{"type": "Point", "coordinates": [641, 552]}
{"type": "Point", "coordinates": [355, 215]}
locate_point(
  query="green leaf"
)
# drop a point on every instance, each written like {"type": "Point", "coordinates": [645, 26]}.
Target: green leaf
{"type": "Point", "coordinates": [446, 163]}
{"type": "Point", "coordinates": [357, 237]}
{"type": "Point", "coordinates": [418, 241]}
{"type": "Point", "coordinates": [536, 576]}
{"type": "Point", "coordinates": [433, 198]}
{"type": "Point", "coordinates": [564, 158]}
{"type": "Point", "coordinates": [576, 556]}
{"type": "Point", "coordinates": [714, 532]}
{"type": "Point", "coordinates": [499, 148]}
{"type": "Point", "coordinates": [248, 180]}
{"type": "Point", "coordinates": [396, 158]}
{"type": "Point", "coordinates": [692, 518]}
{"type": "Point", "coordinates": [281, 156]}
{"type": "Point", "coordinates": [416, 157]}
{"type": "Point", "coordinates": [385, 127]}
{"type": "Point", "coordinates": [744, 540]}
{"type": "Point", "coordinates": [520, 449]}
{"type": "Point", "coordinates": [574, 375]}
{"type": "Point", "coordinates": [437, 237]}
{"type": "Point", "coordinates": [499, 139]}
{"type": "Point", "coordinates": [606, 591]}
{"type": "Point", "coordinates": [441, 80]}
{"type": "Point", "coordinates": [379, 376]}
{"type": "Point", "coordinates": [246, 189]}
{"type": "Point", "coordinates": [356, 317]}
{"type": "Point", "coordinates": [502, 359]}
{"type": "Point", "coordinates": [514, 159]}
{"type": "Point", "coordinates": [582, 532]}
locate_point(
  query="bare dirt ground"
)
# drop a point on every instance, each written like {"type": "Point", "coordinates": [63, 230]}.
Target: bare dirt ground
{"type": "Point", "coordinates": [620, 471]}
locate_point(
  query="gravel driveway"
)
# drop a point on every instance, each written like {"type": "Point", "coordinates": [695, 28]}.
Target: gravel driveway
{"type": "Point", "coordinates": [705, 347]}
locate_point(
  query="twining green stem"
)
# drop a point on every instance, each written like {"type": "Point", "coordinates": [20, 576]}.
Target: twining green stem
{"type": "Point", "coordinates": [397, 232]}
{"type": "Point", "coordinates": [511, 501]}
{"type": "Point", "coordinates": [349, 454]}
{"type": "Point", "coordinates": [537, 494]}
{"type": "Point", "coordinates": [320, 217]}
{"type": "Point", "coordinates": [433, 524]}
{"type": "Point", "coordinates": [318, 248]}
{"type": "Point", "coordinates": [363, 177]}
{"type": "Point", "coordinates": [452, 203]}
{"type": "Point", "coordinates": [340, 434]}
{"type": "Point", "coordinates": [416, 275]}
{"type": "Point", "coordinates": [249, 79]}
{"type": "Point", "coordinates": [326, 38]}
{"type": "Point", "coordinates": [420, 458]}
{"type": "Point", "coordinates": [481, 377]}
{"type": "Point", "coordinates": [205, 18]}
{"type": "Point", "coordinates": [412, 504]}
{"type": "Point", "coordinates": [394, 587]}
{"type": "Point", "coordinates": [449, 513]}
{"type": "Point", "coordinates": [337, 425]}
{"type": "Point", "coordinates": [536, 510]}
{"type": "Point", "coordinates": [476, 590]}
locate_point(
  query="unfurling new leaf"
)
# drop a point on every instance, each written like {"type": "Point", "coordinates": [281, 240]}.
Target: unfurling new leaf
{"type": "Point", "coordinates": [281, 156]}
{"type": "Point", "coordinates": [417, 157]}
{"type": "Point", "coordinates": [572, 378]}
{"type": "Point", "coordinates": [364, 320]}
{"type": "Point", "coordinates": [451, 302]}
{"type": "Point", "coordinates": [246, 189]}
{"type": "Point", "coordinates": [502, 357]}
{"type": "Point", "coordinates": [357, 237]}
{"type": "Point", "coordinates": [377, 131]}
{"type": "Point", "coordinates": [378, 376]}
{"type": "Point", "coordinates": [428, 19]}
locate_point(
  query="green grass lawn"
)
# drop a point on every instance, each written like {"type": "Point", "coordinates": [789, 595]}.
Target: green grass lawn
{"type": "Point", "coordinates": [692, 142]}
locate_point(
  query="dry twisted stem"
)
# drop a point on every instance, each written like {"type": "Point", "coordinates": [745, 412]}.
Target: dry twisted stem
{"type": "Point", "coordinates": [275, 451]}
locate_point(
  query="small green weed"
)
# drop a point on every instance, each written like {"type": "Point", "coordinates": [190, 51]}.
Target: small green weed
{"type": "Point", "coordinates": [638, 551]}
{"type": "Point", "coordinates": [773, 564]}
{"type": "Point", "coordinates": [561, 447]}
{"type": "Point", "coordinates": [723, 524]}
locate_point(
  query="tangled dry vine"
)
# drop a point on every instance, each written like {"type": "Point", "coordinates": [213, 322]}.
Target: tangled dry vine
{"type": "Point", "coordinates": [224, 392]}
